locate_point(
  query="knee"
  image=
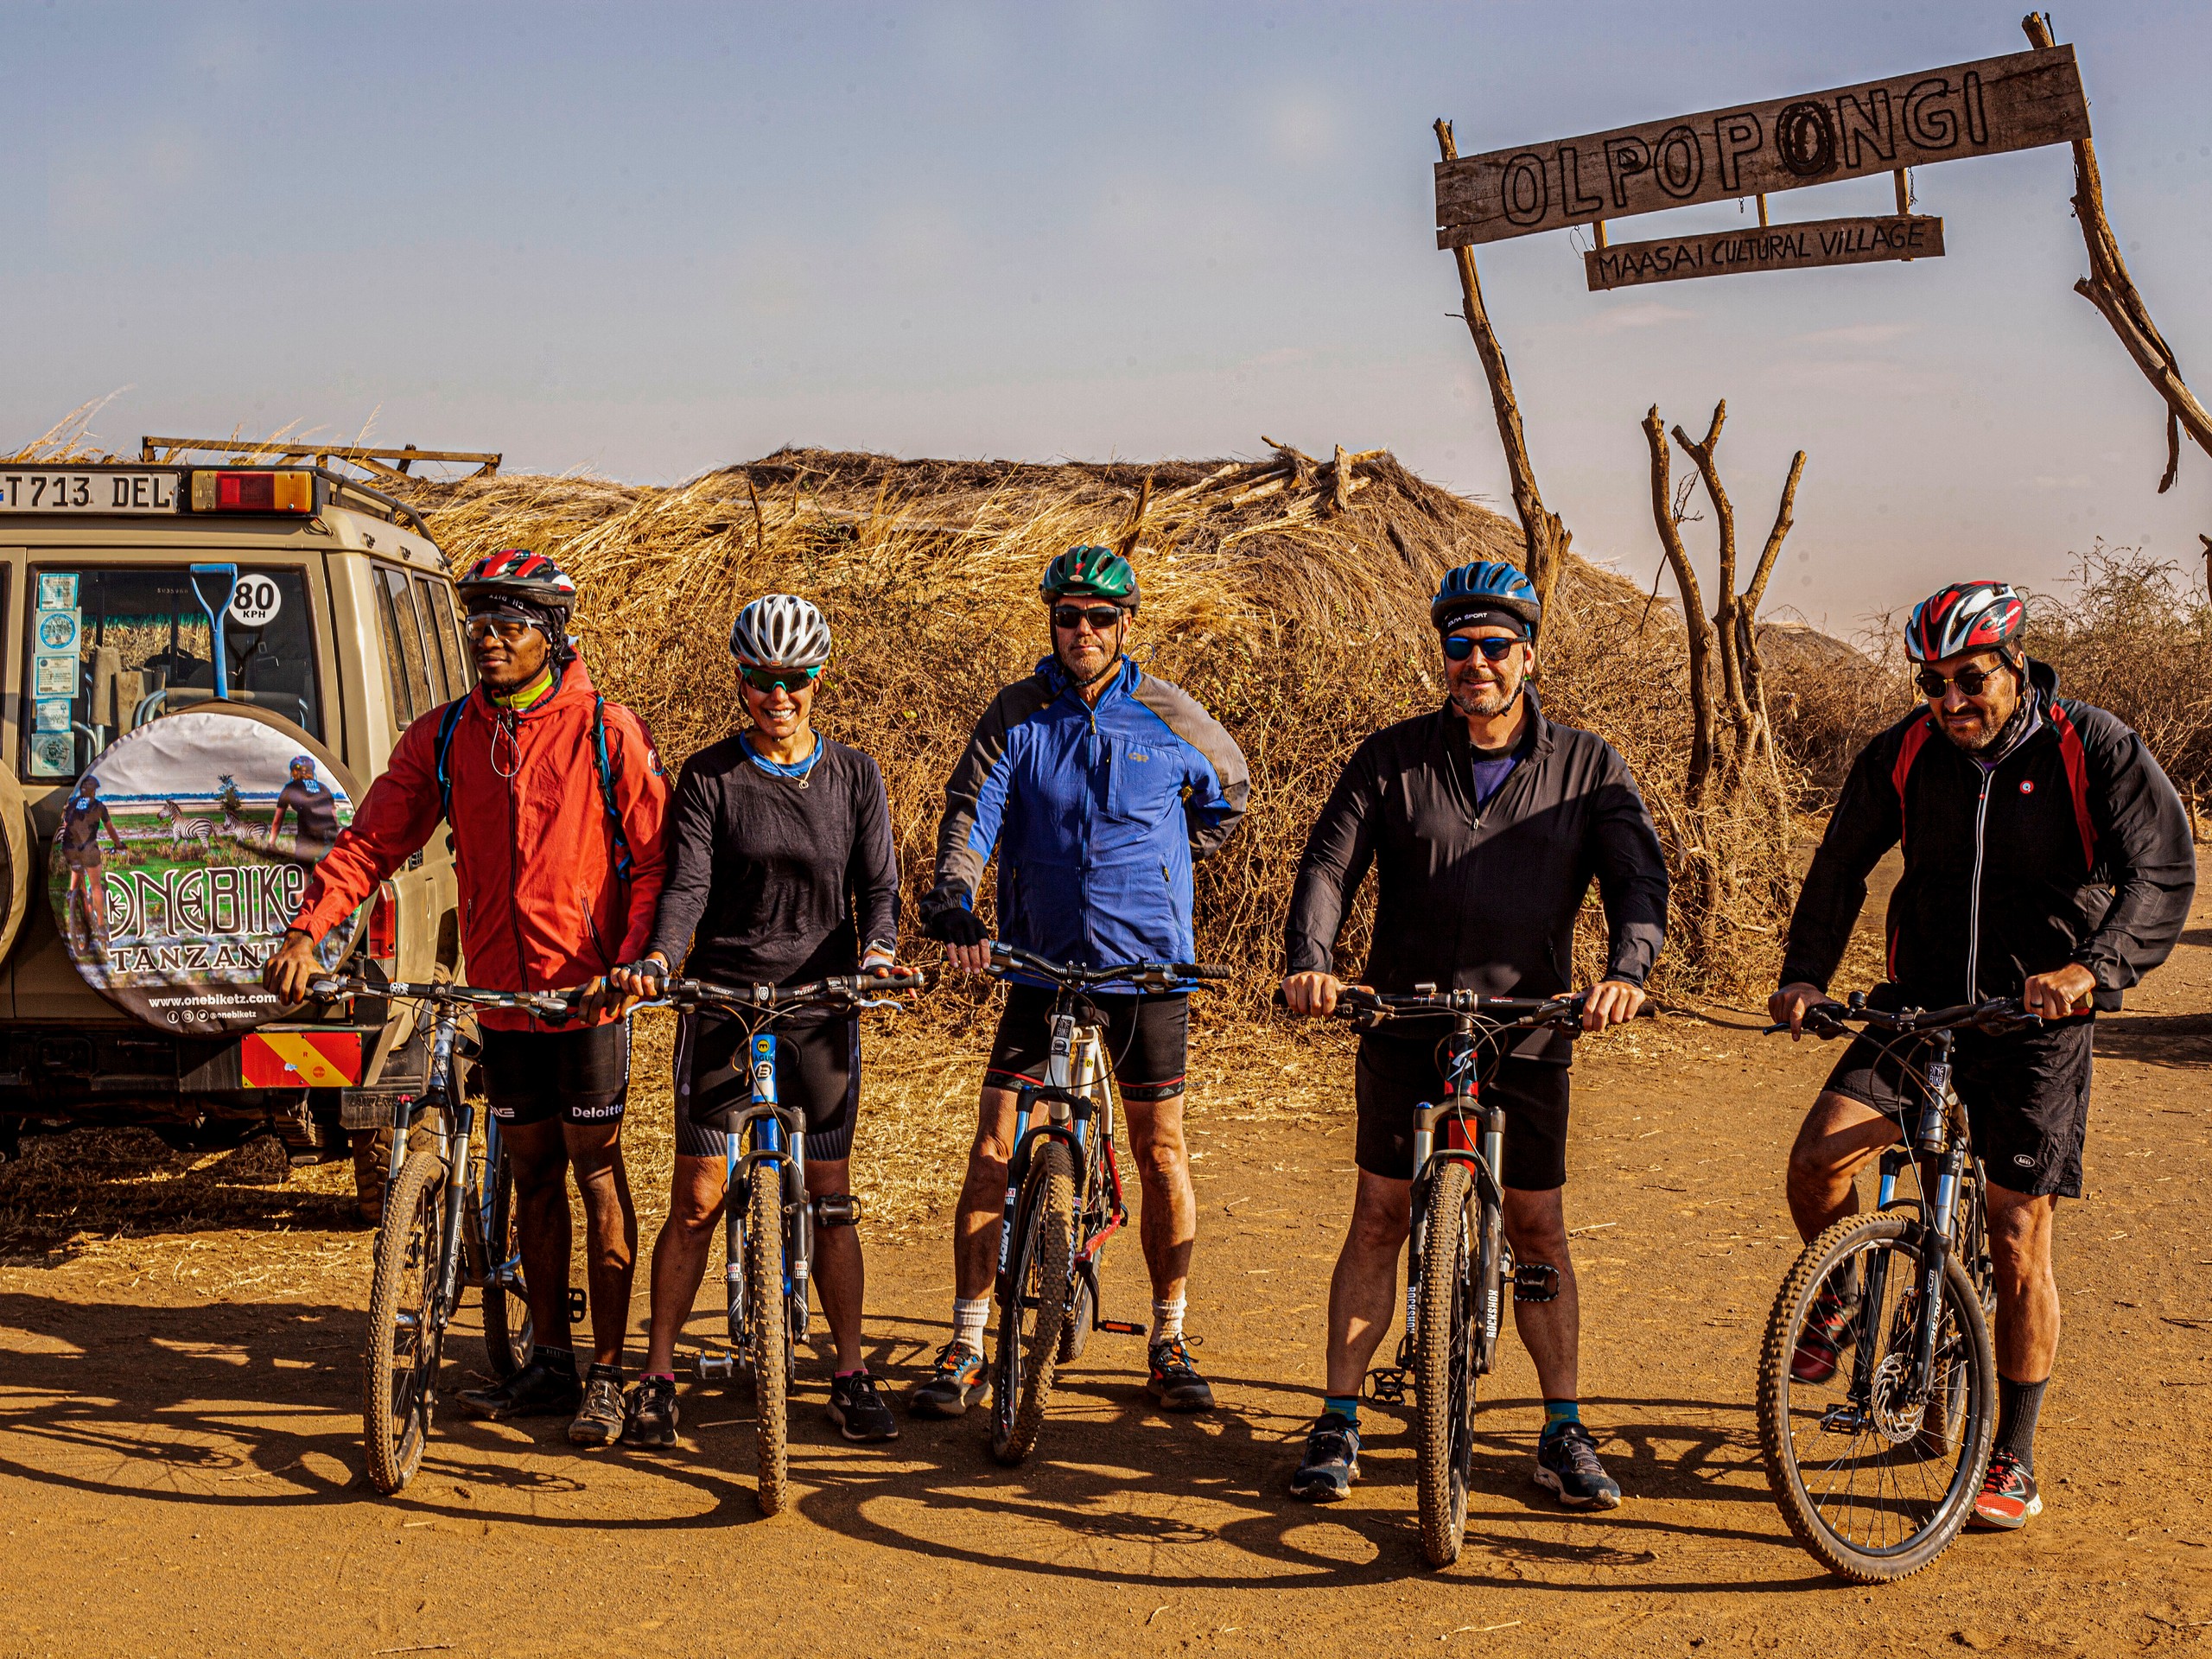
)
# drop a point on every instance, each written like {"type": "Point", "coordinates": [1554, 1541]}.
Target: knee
{"type": "Point", "coordinates": [1542, 1239]}
{"type": "Point", "coordinates": [988, 1159]}
{"type": "Point", "coordinates": [1375, 1230]}
{"type": "Point", "coordinates": [2020, 1241]}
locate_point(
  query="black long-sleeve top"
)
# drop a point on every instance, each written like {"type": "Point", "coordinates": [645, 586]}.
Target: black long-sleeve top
{"type": "Point", "coordinates": [2070, 846]}
{"type": "Point", "coordinates": [1482, 898]}
{"type": "Point", "coordinates": [771, 883]}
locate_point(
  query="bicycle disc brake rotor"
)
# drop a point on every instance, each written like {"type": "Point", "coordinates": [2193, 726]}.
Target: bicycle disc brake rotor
{"type": "Point", "coordinates": [1895, 1410]}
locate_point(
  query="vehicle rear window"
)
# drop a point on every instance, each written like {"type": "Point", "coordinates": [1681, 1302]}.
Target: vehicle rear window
{"type": "Point", "coordinates": [112, 646]}
{"type": "Point", "coordinates": [406, 653]}
{"type": "Point", "coordinates": [437, 613]}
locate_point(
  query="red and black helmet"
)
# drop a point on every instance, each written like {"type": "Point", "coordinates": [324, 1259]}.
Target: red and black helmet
{"type": "Point", "coordinates": [516, 573]}
{"type": "Point", "coordinates": [1967, 616]}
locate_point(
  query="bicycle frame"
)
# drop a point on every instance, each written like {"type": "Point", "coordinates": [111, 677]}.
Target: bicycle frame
{"type": "Point", "coordinates": [456, 1136]}
{"type": "Point", "coordinates": [1939, 1140]}
{"type": "Point", "coordinates": [1078, 1094]}
{"type": "Point", "coordinates": [764, 1135]}
{"type": "Point", "coordinates": [1484, 1159]}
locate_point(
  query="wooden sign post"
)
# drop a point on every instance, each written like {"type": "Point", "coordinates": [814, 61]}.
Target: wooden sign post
{"type": "Point", "coordinates": [2016, 102]}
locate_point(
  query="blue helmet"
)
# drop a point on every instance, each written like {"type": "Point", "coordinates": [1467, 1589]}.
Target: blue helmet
{"type": "Point", "coordinates": [1487, 585]}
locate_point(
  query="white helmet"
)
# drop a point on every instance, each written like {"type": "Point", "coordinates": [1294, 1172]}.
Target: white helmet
{"type": "Point", "coordinates": [779, 631]}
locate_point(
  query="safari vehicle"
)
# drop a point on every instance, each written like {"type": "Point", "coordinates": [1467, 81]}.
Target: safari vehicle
{"type": "Point", "coordinates": [206, 665]}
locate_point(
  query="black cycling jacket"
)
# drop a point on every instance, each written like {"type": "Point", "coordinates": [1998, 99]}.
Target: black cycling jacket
{"type": "Point", "coordinates": [1482, 900]}
{"type": "Point", "coordinates": [2072, 848]}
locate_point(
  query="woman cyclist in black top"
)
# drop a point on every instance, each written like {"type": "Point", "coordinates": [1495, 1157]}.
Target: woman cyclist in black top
{"type": "Point", "coordinates": [780, 870]}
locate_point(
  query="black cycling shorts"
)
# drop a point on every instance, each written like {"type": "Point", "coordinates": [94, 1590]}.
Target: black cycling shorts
{"type": "Point", "coordinates": [1396, 1075]}
{"type": "Point", "coordinates": [1148, 1039]}
{"type": "Point", "coordinates": [817, 1075]}
{"type": "Point", "coordinates": [2026, 1096]}
{"type": "Point", "coordinates": [583, 1075]}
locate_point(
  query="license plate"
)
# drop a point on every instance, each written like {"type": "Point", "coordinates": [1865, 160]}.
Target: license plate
{"type": "Point", "coordinates": [75, 490]}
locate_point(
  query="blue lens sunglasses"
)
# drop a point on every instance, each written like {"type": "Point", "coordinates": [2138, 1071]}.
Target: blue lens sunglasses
{"type": "Point", "coordinates": [1460, 646]}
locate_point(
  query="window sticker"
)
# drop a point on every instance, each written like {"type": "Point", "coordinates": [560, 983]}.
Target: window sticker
{"type": "Point", "coordinates": [57, 590]}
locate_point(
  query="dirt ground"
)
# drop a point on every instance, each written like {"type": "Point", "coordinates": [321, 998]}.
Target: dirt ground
{"type": "Point", "coordinates": [180, 1456]}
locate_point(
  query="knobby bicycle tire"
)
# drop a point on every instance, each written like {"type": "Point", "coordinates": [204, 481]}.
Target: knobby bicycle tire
{"type": "Point", "coordinates": [1898, 1497]}
{"type": "Point", "coordinates": [771, 1319]}
{"type": "Point", "coordinates": [400, 1362]}
{"type": "Point", "coordinates": [1444, 1340]}
{"type": "Point", "coordinates": [509, 1339]}
{"type": "Point", "coordinates": [1037, 1273]}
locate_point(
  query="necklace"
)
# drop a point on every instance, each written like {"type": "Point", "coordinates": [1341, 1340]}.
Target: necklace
{"type": "Point", "coordinates": [794, 772]}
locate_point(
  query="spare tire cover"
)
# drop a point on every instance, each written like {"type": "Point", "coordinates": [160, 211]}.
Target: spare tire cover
{"type": "Point", "coordinates": [198, 838]}
{"type": "Point", "coordinates": [17, 847]}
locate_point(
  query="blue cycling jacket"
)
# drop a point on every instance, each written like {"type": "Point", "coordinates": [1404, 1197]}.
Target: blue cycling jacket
{"type": "Point", "coordinates": [1097, 812]}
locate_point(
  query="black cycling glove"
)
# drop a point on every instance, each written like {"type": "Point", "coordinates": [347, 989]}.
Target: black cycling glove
{"type": "Point", "coordinates": [652, 970]}
{"type": "Point", "coordinates": [958, 926]}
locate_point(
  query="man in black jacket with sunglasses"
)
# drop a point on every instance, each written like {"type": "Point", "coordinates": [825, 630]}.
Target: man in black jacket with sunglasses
{"type": "Point", "coordinates": [2047, 858]}
{"type": "Point", "coordinates": [1485, 824]}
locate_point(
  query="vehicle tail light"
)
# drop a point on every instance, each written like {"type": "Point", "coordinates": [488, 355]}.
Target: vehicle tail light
{"type": "Point", "coordinates": [383, 924]}
{"type": "Point", "coordinates": [238, 489]}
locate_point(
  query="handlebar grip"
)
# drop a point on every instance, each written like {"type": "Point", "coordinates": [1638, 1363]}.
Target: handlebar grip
{"type": "Point", "coordinates": [1209, 971]}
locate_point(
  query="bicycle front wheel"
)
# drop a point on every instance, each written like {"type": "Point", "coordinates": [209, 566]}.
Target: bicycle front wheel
{"type": "Point", "coordinates": [1036, 1304]}
{"type": "Point", "coordinates": [1876, 1485]}
{"type": "Point", "coordinates": [1444, 1370]}
{"type": "Point", "coordinates": [399, 1366]}
{"type": "Point", "coordinates": [770, 1323]}
{"type": "Point", "coordinates": [508, 1338]}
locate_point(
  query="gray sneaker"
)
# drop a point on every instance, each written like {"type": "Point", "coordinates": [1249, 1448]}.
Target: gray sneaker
{"type": "Point", "coordinates": [1567, 1465]}
{"type": "Point", "coordinates": [598, 1420]}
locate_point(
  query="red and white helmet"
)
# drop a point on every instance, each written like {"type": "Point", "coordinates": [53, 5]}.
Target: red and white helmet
{"type": "Point", "coordinates": [519, 573]}
{"type": "Point", "coordinates": [1967, 616]}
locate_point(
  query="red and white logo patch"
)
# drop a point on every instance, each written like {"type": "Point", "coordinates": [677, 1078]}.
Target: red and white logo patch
{"type": "Point", "coordinates": [2027, 786]}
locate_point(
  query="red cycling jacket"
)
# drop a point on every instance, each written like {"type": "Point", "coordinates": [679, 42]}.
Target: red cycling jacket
{"type": "Point", "coordinates": [541, 908]}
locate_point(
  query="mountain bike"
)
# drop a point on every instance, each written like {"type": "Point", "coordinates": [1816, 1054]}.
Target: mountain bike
{"type": "Point", "coordinates": [767, 1221]}
{"type": "Point", "coordinates": [1063, 1192]}
{"type": "Point", "coordinates": [1457, 1261]}
{"type": "Point", "coordinates": [1876, 1467]}
{"type": "Point", "coordinates": [438, 1233]}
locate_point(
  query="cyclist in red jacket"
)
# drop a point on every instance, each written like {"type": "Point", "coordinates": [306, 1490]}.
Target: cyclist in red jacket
{"type": "Point", "coordinates": [555, 798]}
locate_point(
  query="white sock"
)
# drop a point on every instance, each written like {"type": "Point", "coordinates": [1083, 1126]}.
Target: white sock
{"type": "Point", "coordinates": [1166, 1319]}
{"type": "Point", "coordinates": [967, 1321]}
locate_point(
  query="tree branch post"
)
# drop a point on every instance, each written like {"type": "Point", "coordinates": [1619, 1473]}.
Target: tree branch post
{"type": "Point", "coordinates": [2112, 290]}
{"type": "Point", "coordinates": [1702, 725]}
{"type": "Point", "coordinates": [1547, 539]}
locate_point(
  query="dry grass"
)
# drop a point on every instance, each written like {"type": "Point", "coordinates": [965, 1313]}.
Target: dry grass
{"type": "Point", "coordinates": [1296, 614]}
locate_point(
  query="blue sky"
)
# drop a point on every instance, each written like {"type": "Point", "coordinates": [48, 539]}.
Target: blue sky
{"type": "Point", "coordinates": [647, 239]}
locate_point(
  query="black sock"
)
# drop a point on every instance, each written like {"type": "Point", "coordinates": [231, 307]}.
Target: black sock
{"type": "Point", "coordinates": [555, 1359]}
{"type": "Point", "coordinates": [2017, 1404]}
{"type": "Point", "coordinates": [613, 1373]}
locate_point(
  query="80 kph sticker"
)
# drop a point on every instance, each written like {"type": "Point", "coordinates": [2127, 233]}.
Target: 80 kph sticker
{"type": "Point", "coordinates": [62, 490]}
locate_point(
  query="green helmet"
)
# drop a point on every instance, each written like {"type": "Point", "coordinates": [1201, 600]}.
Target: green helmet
{"type": "Point", "coordinates": [1090, 572]}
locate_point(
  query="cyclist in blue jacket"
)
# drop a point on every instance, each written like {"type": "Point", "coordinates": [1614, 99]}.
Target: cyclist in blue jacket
{"type": "Point", "coordinates": [1098, 786]}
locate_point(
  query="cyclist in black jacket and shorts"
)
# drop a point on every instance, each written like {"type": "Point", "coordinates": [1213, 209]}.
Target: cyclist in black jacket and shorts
{"type": "Point", "coordinates": [781, 864]}
{"type": "Point", "coordinates": [2046, 857]}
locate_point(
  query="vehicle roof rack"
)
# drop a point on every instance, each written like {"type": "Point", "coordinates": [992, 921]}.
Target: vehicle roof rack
{"type": "Point", "coordinates": [252, 452]}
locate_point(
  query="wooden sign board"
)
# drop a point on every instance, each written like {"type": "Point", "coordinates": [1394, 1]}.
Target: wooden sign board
{"type": "Point", "coordinates": [2016, 102]}
{"type": "Point", "coordinates": [1765, 247]}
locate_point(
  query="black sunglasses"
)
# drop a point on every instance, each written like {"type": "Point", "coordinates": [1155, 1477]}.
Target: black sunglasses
{"type": "Point", "coordinates": [1101, 617]}
{"type": "Point", "coordinates": [1460, 646]}
{"type": "Point", "coordinates": [1968, 680]}
{"type": "Point", "coordinates": [765, 680]}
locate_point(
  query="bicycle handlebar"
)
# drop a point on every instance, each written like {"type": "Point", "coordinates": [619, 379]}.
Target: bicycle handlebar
{"type": "Point", "coordinates": [1145, 976]}
{"type": "Point", "coordinates": [546, 1005]}
{"type": "Point", "coordinates": [1358, 1003]}
{"type": "Point", "coordinates": [1995, 1016]}
{"type": "Point", "coordinates": [859, 990]}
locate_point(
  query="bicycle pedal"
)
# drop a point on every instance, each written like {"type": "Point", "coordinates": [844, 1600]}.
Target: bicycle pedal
{"type": "Point", "coordinates": [1534, 1281]}
{"type": "Point", "coordinates": [577, 1303]}
{"type": "Point", "coordinates": [1121, 1327]}
{"type": "Point", "coordinates": [717, 1368]}
{"type": "Point", "coordinates": [1386, 1385]}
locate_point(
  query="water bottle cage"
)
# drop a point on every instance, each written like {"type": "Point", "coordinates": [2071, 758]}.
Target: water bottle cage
{"type": "Point", "coordinates": [1534, 1281]}
{"type": "Point", "coordinates": [837, 1210]}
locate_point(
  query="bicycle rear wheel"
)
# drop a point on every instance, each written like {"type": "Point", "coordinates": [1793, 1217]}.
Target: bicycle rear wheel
{"type": "Point", "coordinates": [1444, 1370]}
{"type": "Point", "coordinates": [1877, 1489]}
{"type": "Point", "coordinates": [399, 1365]}
{"type": "Point", "coordinates": [1036, 1305]}
{"type": "Point", "coordinates": [508, 1338]}
{"type": "Point", "coordinates": [771, 1321]}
